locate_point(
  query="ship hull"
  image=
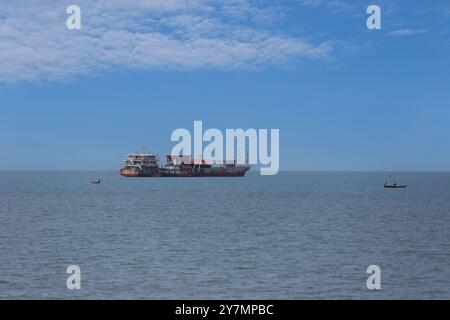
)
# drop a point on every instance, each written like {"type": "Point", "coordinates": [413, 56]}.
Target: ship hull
{"type": "Point", "coordinates": [139, 173]}
{"type": "Point", "coordinates": [203, 175]}
{"type": "Point", "coordinates": [210, 172]}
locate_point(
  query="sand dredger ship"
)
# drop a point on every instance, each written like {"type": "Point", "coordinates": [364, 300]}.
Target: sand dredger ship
{"type": "Point", "coordinates": [147, 165]}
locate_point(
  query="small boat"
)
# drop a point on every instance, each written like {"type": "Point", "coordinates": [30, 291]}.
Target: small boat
{"type": "Point", "coordinates": [96, 181]}
{"type": "Point", "coordinates": [394, 186]}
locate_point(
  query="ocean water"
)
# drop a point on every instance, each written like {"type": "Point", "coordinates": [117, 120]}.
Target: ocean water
{"type": "Point", "coordinates": [292, 236]}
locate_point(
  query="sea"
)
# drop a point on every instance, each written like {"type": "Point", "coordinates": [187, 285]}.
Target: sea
{"type": "Point", "coordinates": [295, 235]}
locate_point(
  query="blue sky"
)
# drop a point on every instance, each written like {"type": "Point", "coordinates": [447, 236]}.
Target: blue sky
{"type": "Point", "coordinates": [343, 97]}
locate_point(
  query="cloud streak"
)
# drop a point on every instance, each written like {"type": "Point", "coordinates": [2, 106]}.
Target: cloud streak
{"type": "Point", "coordinates": [406, 32]}
{"type": "Point", "coordinates": [336, 6]}
{"type": "Point", "coordinates": [35, 44]}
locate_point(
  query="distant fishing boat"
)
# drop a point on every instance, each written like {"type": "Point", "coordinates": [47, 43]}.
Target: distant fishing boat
{"type": "Point", "coordinates": [394, 186]}
{"type": "Point", "coordinates": [96, 181]}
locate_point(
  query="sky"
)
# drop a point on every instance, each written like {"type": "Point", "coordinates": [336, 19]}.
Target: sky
{"type": "Point", "coordinates": [343, 97]}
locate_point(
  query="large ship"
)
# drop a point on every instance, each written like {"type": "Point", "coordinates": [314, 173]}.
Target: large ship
{"type": "Point", "coordinates": [147, 165]}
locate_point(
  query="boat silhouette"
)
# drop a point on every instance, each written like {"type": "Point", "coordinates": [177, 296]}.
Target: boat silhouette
{"type": "Point", "coordinates": [394, 186]}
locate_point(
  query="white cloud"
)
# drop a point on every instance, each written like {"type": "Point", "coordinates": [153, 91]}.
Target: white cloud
{"type": "Point", "coordinates": [356, 8]}
{"type": "Point", "coordinates": [406, 32]}
{"type": "Point", "coordinates": [333, 5]}
{"type": "Point", "coordinates": [148, 34]}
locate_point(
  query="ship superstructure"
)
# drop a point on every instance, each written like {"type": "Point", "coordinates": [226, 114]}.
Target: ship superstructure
{"type": "Point", "coordinates": [141, 165]}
